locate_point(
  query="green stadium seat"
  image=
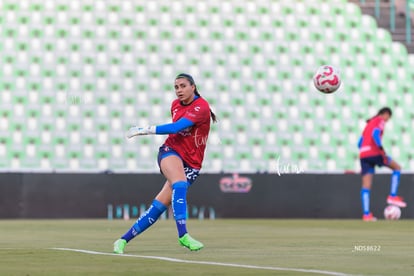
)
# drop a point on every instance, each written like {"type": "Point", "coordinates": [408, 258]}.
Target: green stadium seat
{"type": "Point", "coordinates": [130, 160]}
{"type": "Point", "coordinates": [102, 156]}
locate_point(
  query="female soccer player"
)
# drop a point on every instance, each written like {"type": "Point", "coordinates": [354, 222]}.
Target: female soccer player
{"type": "Point", "coordinates": [371, 154]}
{"type": "Point", "coordinates": [179, 159]}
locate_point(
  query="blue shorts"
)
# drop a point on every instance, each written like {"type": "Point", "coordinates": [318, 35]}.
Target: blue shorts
{"type": "Point", "coordinates": [368, 163]}
{"type": "Point", "coordinates": [190, 172]}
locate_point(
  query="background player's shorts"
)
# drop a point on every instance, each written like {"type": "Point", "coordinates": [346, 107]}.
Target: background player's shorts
{"type": "Point", "coordinates": [368, 163]}
{"type": "Point", "coordinates": [190, 172]}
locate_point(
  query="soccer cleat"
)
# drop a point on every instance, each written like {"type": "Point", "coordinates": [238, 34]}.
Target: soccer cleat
{"type": "Point", "coordinates": [369, 217]}
{"type": "Point", "coordinates": [397, 201]}
{"type": "Point", "coordinates": [119, 246]}
{"type": "Point", "coordinates": [190, 243]}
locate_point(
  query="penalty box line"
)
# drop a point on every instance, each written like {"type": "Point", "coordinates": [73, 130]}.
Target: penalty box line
{"type": "Point", "coordinates": [316, 271]}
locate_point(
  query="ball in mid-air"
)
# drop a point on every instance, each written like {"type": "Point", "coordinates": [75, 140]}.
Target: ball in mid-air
{"type": "Point", "coordinates": [327, 79]}
{"type": "Point", "coordinates": [392, 212]}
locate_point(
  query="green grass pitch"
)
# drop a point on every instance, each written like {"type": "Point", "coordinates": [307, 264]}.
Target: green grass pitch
{"type": "Point", "coordinates": [270, 247]}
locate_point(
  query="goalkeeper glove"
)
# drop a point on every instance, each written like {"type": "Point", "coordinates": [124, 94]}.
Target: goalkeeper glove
{"type": "Point", "coordinates": [137, 131]}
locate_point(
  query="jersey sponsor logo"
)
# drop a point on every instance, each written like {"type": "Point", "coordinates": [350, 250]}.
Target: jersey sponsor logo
{"type": "Point", "coordinates": [197, 108]}
{"type": "Point", "coordinates": [235, 184]}
{"type": "Point", "coordinates": [191, 114]}
{"type": "Point", "coordinates": [186, 131]}
{"type": "Point", "coordinates": [199, 140]}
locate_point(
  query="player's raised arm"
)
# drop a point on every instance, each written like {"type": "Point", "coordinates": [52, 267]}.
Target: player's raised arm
{"type": "Point", "coordinates": [170, 128]}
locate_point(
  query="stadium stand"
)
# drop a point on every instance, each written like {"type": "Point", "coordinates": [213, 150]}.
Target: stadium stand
{"type": "Point", "coordinates": [74, 75]}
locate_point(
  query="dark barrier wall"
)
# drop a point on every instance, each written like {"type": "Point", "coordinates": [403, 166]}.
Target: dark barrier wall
{"type": "Point", "coordinates": [219, 195]}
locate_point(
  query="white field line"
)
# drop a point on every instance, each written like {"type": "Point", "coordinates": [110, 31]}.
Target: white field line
{"type": "Point", "coordinates": [316, 271]}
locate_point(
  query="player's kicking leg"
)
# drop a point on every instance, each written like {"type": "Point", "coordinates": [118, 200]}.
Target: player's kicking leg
{"type": "Point", "coordinates": [144, 222]}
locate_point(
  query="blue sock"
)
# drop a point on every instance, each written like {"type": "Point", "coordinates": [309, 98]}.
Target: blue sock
{"type": "Point", "coordinates": [395, 182]}
{"type": "Point", "coordinates": [365, 195]}
{"type": "Point", "coordinates": [145, 220]}
{"type": "Point", "coordinates": [181, 227]}
{"type": "Point", "coordinates": [179, 206]}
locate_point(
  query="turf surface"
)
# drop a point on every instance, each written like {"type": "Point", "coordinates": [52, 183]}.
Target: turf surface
{"type": "Point", "coordinates": [341, 246]}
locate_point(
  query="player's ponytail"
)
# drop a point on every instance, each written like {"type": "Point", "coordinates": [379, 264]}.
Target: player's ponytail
{"type": "Point", "coordinates": [192, 82]}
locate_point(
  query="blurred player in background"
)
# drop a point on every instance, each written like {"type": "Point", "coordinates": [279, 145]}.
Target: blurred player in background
{"type": "Point", "coordinates": [371, 154]}
{"type": "Point", "coordinates": [179, 158]}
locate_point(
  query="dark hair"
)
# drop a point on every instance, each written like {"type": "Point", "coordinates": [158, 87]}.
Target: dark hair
{"type": "Point", "coordinates": [382, 111]}
{"type": "Point", "coordinates": [192, 82]}
{"type": "Point", "coordinates": [385, 110]}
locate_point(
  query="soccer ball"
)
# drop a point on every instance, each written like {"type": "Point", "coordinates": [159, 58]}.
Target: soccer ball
{"type": "Point", "coordinates": [327, 79]}
{"type": "Point", "coordinates": [392, 212]}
